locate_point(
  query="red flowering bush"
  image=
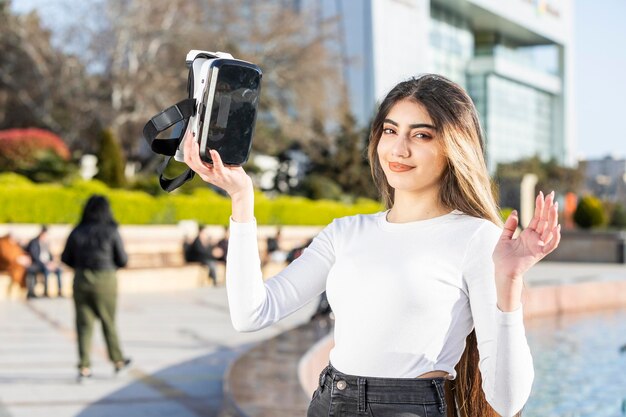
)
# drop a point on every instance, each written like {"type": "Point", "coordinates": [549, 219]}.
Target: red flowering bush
{"type": "Point", "coordinates": [24, 148]}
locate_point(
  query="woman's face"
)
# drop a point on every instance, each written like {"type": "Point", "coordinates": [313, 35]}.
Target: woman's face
{"type": "Point", "coordinates": [409, 150]}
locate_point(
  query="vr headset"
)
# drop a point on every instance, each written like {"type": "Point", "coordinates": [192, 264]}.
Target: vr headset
{"type": "Point", "coordinates": [220, 112]}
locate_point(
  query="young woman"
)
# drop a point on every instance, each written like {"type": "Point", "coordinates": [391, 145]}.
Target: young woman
{"type": "Point", "coordinates": [427, 294]}
{"type": "Point", "coordinates": [95, 250]}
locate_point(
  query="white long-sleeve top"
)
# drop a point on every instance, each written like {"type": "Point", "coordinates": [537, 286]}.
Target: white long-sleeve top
{"type": "Point", "coordinates": [405, 296]}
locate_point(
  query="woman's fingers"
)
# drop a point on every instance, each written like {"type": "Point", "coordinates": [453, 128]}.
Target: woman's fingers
{"type": "Point", "coordinates": [538, 209]}
{"type": "Point", "coordinates": [551, 224]}
{"type": "Point", "coordinates": [547, 207]}
{"type": "Point", "coordinates": [190, 149]}
{"type": "Point", "coordinates": [510, 225]}
{"type": "Point", "coordinates": [550, 246]}
{"type": "Point", "coordinates": [218, 165]}
{"type": "Point", "coordinates": [194, 155]}
{"type": "Point", "coordinates": [187, 147]}
{"type": "Point", "coordinates": [542, 226]}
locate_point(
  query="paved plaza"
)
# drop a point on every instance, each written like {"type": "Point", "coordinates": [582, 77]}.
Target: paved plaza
{"type": "Point", "coordinates": [181, 344]}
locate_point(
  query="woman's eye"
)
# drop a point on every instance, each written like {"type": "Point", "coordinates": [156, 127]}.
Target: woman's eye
{"type": "Point", "coordinates": [421, 136]}
{"type": "Point", "coordinates": [388, 131]}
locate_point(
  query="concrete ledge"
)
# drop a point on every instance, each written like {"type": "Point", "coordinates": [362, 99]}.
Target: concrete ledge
{"type": "Point", "coordinates": [130, 280]}
{"type": "Point", "coordinates": [312, 363]}
{"type": "Point", "coordinates": [574, 298]}
{"type": "Point", "coordinates": [263, 381]}
{"type": "Point", "coordinates": [590, 246]}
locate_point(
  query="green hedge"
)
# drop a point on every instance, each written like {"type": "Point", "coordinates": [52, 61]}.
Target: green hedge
{"type": "Point", "coordinates": [22, 201]}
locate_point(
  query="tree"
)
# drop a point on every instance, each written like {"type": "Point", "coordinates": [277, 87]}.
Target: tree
{"type": "Point", "coordinates": [111, 161]}
{"type": "Point", "coordinates": [350, 163]}
{"type": "Point", "coordinates": [344, 159]}
{"type": "Point", "coordinates": [40, 85]}
{"type": "Point", "coordinates": [618, 217]}
{"type": "Point", "coordinates": [551, 175]}
{"type": "Point", "coordinates": [143, 45]}
{"type": "Point", "coordinates": [132, 68]}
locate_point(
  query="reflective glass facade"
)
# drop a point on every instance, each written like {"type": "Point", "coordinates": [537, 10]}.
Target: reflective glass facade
{"type": "Point", "coordinates": [517, 120]}
{"type": "Point", "coordinates": [513, 57]}
{"type": "Point", "coordinates": [452, 44]}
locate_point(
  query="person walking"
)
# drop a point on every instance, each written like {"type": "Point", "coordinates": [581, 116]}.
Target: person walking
{"type": "Point", "coordinates": [95, 250]}
{"type": "Point", "coordinates": [426, 294]}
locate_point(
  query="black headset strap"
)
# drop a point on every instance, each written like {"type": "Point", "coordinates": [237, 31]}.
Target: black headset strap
{"type": "Point", "coordinates": [170, 184]}
{"type": "Point", "coordinates": [179, 112]}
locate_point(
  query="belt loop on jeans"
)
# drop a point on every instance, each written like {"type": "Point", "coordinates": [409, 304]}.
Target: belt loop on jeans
{"type": "Point", "coordinates": [323, 376]}
{"type": "Point", "coordinates": [361, 383]}
{"type": "Point", "coordinates": [441, 395]}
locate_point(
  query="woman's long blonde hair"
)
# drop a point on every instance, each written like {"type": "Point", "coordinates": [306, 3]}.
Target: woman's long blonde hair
{"type": "Point", "coordinates": [464, 185]}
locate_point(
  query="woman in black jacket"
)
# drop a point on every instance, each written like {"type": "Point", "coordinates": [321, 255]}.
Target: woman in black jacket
{"type": "Point", "coordinates": [95, 250]}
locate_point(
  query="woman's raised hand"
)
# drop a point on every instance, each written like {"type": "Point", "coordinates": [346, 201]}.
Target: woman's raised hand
{"type": "Point", "coordinates": [232, 179]}
{"type": "Point", "coordinates": [513, 257]}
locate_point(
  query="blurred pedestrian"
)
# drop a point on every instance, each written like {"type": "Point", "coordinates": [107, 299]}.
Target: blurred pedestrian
{"type": "Point", "coordinates": [201, 250]}
{"type": "Point", "coordinates": [15, 261]}
{"type": "Point", "coordinates": [273, 251]}
{"type": "Point", "coordinates": [43, 263]}
{"type": "Point", "coordinates": [95, 250]}
{"type": "Point", "coordinates": [222, 246]}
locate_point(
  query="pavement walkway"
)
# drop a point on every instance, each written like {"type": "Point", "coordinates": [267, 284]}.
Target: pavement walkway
{"type": "Point", "coordinates": [181, 344]}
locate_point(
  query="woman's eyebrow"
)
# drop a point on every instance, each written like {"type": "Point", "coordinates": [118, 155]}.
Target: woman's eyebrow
{"type": "Point", "coordinates": [413, 126]}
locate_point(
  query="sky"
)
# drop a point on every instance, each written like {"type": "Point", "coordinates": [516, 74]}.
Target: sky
{"type": "Point", "coordinates": [599, 73]}
{"type": "Point", "coordinates": [600, 77]}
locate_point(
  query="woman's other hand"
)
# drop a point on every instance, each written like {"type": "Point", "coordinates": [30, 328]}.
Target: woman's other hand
{"type": "Point", "coordinates": [513, 257]}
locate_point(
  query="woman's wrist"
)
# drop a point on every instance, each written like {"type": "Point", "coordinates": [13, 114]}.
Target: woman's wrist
{"type": "Point", "coordinates": [510, 294]}
{"type": "Point", "coordinates": [243, 205]}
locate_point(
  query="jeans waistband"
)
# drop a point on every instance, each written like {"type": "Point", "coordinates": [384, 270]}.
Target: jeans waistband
{"type": "Point", "coordinates": [384, 390]}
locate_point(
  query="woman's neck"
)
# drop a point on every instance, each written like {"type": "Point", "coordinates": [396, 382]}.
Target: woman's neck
{"type": "Point", "coordinates": [409, 207]}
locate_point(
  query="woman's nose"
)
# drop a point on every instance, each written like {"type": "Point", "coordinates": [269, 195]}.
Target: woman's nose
{"type": "Point", "coordinates": [400, 147]}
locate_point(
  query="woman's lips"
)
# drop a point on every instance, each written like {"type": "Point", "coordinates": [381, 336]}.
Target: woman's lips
{"type": "Point", "coordinates": [397, 167]}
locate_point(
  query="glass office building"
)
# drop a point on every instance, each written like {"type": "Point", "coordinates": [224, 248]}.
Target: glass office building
{"type": "Point", "coordinates": [514, 57]}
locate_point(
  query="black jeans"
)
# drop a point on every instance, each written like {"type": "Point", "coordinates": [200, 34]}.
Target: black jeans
{"type": "Point", "coordinates": [339, 394]}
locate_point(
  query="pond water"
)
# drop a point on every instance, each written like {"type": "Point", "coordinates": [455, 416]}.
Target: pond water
{"type": "Point", "coordinates": [580, 365]}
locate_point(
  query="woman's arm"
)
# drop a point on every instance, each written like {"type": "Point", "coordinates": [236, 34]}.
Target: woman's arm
{"type": "Point", "coordinates": [67, 257]}
{"type": "Point", "coordinates": [506, 364]}
{"type": "Point", "coordinates": [495, 290]}
{"type": "Point", "coordinates": [255, 304]}
{"type": "Point", "coordinates": [120, 257]}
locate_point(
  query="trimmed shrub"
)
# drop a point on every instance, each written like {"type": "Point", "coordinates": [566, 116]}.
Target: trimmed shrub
{"type": "Point", "coordinates": [38, 154]}
{"type": "Point", "coordinates": [21, 148]}
{"type": "Point", "coordinates": [589, 213]}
